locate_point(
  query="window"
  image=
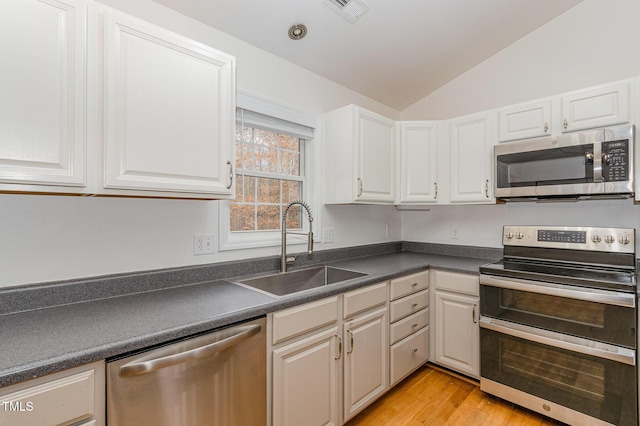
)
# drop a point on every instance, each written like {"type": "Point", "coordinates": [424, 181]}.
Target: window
{"type": "Point", "coordinates": [277, 159]}
{"type": "Point", "coordinates": [269, 175]}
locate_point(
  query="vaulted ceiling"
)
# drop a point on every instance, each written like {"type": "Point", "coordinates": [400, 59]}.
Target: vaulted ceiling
{"type": "Point", "coordinates": [397, 52]}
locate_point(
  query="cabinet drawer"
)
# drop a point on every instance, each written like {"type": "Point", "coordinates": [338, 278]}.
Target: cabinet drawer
{"type": "Point", "coordinates": [460, 283]}
{"type": "Point", "coordinates": [401, 329]}
{"type": "Point", "coordinates": [409, 354]}
{"type": "Point", "coordinates": [408, 305]}
{"type": "Point", "coordinates": [410, 284]}
{"type": "Point", "coordinates": [360, 300]}
{"type": "Point", "coordinates": [301, 319]}
{"type": "Point", "coordinates": [61, 401]}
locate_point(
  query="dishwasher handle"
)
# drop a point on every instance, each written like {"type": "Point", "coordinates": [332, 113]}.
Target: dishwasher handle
{"type": "Point", "coordinates": [144, 366]}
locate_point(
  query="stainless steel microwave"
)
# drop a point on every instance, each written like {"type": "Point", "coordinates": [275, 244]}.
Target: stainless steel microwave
{"type": "Point", "coordinates": [586, 164]}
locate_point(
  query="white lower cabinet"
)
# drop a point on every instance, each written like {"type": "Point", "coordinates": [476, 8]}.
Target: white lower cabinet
{"type": "Point", "coordinates": [408, 325]}
{"type": "Point", "coordinates": [329, 358]}
{"type": "Point", "coordinates": [75, 396]}
{"type": "Point", "coordinates": [456, 313]}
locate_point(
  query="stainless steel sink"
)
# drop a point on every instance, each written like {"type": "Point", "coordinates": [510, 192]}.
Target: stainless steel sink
{"type": "Point", "coordinates": [304, 279]}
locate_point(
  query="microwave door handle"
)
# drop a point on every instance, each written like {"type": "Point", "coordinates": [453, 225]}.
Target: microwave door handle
{"type": "Point", "coordinates": [597, 162]}
{"type": "Point", "coordinates": [137, 367]}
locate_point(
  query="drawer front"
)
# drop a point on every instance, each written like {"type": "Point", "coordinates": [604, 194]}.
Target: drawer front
{"type": "Point", "coordinates": [301, 319]}
{"type": "Point", "coordinates": [362, 299]}
{"type": "Point", "coordinates": [62, 401]}
{"type": "Point", "coordinates": [410, 284]}
{"type": "Point", "coordinates": [408, 305]}
{"type": "Point", "coordinates": [409, 354]}
{"type": "Point", "coordinates": [460, 283]}
{"type": "Point", "coordinates": [401, 329]}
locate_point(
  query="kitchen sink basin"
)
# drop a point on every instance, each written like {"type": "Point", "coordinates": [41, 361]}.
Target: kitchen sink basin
{"type": "Point", "coordinates": [304, 279]}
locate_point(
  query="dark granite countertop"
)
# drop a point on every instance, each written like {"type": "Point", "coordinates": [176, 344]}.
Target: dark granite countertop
{"type": "Point", "coordinates": [44, 340]}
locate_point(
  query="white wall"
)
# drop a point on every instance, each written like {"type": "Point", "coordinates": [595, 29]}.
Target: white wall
{"type": "Point", "coordinates": [46, 238]}
{"type": "Point", "coordinates": [593, 43]}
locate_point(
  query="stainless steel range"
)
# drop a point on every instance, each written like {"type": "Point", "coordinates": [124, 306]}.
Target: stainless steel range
{"type": "Point", "coordinates": [558, 323]}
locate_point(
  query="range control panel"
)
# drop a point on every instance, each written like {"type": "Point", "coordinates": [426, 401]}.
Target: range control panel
{"type": "Point", "coordinates": [616, 240]}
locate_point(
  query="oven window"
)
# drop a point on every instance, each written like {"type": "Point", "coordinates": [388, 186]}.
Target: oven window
{"type": "Point", "coordinates": [598, 387]}
{"type": "Point", "coordinates": [587, 319]}
{"type": "Point", "coordinates": [563, 371]}
{"type": "Point", "coordinates": [577, 311]}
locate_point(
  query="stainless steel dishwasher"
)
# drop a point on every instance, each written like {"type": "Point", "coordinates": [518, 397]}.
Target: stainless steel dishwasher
{"type": "Point", "coordinates": [215, 379]}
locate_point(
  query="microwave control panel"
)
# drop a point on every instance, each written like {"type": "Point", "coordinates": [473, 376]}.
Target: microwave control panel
{"type": "Point", "coordinates": [615, 161]}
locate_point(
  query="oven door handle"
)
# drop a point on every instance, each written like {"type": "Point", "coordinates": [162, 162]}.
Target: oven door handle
{"type": "Point", "coordinates": [627, 300]}
{"type": "Point", "coordinates": [561, 341]}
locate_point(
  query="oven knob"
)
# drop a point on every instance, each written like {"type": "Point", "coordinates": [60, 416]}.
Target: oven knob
{"type": "Point", "coordinates": [609, 239]}
{"type": "Point", "coordinates": [596, 238]}
{"type": "Point", "coordinates": [509, 235]}
{"type": "Point", "coordinates": [624, 239]}
{"type": "Point", "coordinates": [519, 235]}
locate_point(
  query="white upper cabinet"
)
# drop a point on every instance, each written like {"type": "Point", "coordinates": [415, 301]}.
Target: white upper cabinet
{"type": "Point", "coordinates": [471, 140]}
{"type": "Point", "coordinates": [358, 157]}
{"type": "Point", "coordinates": [169, 111]}
{"type": "Point", "coordinates": [94, 101]}
{"type": "Point", "coordinates": [600, 106]}
{"type": "Point", "coordinates": [418, 162]}
{"type": "Point", "coordinates": [522, 121]}
{"type": "Point", "coordinates": [42, 122]}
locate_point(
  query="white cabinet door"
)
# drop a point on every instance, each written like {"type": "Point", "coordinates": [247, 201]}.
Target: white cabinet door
{"type": "Point", "coordinates": [170, 111]}
{"type": "Point", "coordinates": [306, 381]}
{"type": "Point", "coordinates": [366, 366]}
{"type": "Point", "coordinates": [375, 162]}
{"type": "Point", "coordinates": [42, 96]}
{"type": "Point", "coordinates": [359, 157]}
{"type": "Point", "coordinates": [418, 164]}
{"type": "Point", "coordinates": [523, 121]}
{"type": "Point", "coordinates": [600, 106]}
{"type": "Point", "coordinates": [471, 144]}
{"type": "Point", "coordinates": [457, 333]}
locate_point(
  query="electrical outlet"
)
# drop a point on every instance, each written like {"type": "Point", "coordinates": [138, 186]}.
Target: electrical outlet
{"type": "Point", "coordinates": [455, 233]}
{"type": "Point", "coordinates": [203, 244]}
{"type": "Point", "coordinates": [327, 235]}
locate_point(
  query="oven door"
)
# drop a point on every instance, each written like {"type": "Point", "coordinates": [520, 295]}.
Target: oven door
{"type": "Point", "coordinates": [563, 377]}
{"type": "Point", "coordinates": [602, 315]}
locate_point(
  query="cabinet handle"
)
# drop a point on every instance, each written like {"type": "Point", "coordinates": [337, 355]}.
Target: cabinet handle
{"type": "Point", "coordinates": [546, 127]}
{"type": "Point", "coordinates": [473, 314]}
{"type": "Point", "coordinates": [359, 187]}
{"type": "Point", "coordinates": [414, 284]}
{"type": "Point", "coordinates": [351, 345]}
{"type": "Point", "coordinates": [339, 347]}
{"type": "Point", "coordinates": [414, 305]}
{"type": "Point", "coordinates": [435, 185]}
{"type": "Point", "coordinates": [565, 123]}
{"type": "Point", "coordinates": [414, 350]}
{"type": "Point", "coordinates": [414, 325]}
{"type": "Point", "coordinates": [230, 174]}
{"type": "Point", "coordinates": [486, 188]}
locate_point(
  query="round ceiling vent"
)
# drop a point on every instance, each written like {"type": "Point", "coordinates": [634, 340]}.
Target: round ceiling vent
{"type": "Point", "coordinates": [297, 31]}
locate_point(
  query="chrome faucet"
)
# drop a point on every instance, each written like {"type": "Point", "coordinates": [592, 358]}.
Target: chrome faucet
{"type": "Point", "coordinates": [284, 260]}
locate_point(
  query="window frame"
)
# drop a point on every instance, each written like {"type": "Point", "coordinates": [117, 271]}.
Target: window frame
{"type": "Point", "coordinates": [311, 181]}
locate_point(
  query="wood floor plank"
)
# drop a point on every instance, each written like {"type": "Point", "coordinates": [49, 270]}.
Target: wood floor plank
{"type": "Point", "coordinates": [434, 397]}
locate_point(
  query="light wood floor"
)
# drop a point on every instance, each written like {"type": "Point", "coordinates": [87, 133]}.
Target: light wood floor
{"type": "Point", "coordinates": [434, 397]}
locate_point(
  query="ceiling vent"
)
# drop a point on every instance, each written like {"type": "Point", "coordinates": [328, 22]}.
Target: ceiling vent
{"type": "Point", "coordinates": [351, 10]}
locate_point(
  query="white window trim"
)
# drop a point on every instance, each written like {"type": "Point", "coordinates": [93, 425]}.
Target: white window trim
{"type": "Point", "coordinates": [312, 190]}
